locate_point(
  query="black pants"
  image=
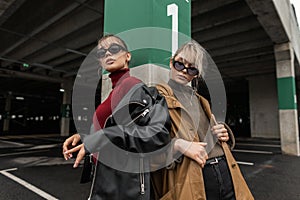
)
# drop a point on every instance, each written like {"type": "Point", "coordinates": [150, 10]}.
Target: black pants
{"type": "Point", "coordinates": [217, 181]}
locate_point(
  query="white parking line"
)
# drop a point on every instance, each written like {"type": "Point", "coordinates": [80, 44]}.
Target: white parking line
{"type": "Point", "coordinates": [26, 184]}
{"type": "Point", "coordinates": [46, 146]}
{"type": "Point", "coordinates": [245, 163]}
{"type": "Point", "coordinates": [252, 151]}
{"type": "Point", "coordinates": [23, 152]}
{"type": "Point", "coordinates": [258, 145]}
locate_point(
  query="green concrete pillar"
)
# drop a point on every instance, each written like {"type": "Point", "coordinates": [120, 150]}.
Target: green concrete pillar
{"type": "Point", "coordinates": [287, 99]}
{"type": "Point", "coordinates": [153, 30]}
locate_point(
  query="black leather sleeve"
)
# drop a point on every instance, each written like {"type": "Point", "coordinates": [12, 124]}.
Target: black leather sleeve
{"type": "Point", "coordinates": [133, 132]}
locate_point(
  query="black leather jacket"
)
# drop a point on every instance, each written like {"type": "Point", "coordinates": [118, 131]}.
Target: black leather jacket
{"type": "Point", "coordinates": [137, 128]}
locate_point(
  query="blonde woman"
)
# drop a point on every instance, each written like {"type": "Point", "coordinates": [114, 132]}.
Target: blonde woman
{"type": "Point", "coordinates": [200, 170]}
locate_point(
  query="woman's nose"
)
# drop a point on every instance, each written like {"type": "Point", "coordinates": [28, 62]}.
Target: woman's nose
{"type": "Point", "coordinates": [107, 53]}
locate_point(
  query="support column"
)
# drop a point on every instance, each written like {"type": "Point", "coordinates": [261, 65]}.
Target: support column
{"type": "Point", "coordinates": [66, 109]}
{"type": "Point", "coordinates": [152, 32]}
{"type": "Point", "coordinates": [287, 99]}
{"type": "Point", "coordinates": [7, 112]}
{"type": "Point", "coordinates": [263, 106]}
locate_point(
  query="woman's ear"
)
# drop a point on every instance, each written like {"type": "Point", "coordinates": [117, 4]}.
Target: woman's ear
{"type": "Point", "coordinates": [128, 56]}
{"type": "Point", "coordinates": [171, 62]}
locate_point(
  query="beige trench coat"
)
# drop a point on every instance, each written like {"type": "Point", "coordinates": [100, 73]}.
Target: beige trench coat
{"type": "Point", "coordinates": [184, 180]}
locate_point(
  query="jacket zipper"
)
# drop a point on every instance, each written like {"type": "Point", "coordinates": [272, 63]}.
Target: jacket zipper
{"type": "Point", "coordinates": [94, 177]}
{"type": "Point", "coordinates": [95, 171]}
{"type": "Point", "coordinates": [142, 176]}
{"type": "Point", "coordinates": [143, 114]}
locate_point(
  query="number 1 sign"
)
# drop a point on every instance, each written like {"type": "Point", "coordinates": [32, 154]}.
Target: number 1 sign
{"type": "Point", "coordinates": [152, 29]}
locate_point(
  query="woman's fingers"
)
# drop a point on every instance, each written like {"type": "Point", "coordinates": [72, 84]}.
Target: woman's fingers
{"type": "Point", "coordinates": [79, 157]}
{"type": "Point", "coordinates": [70, 142]}
{"type": "Point", "coordinates": [201, 160]}
{"type": "Point", "coordinates": [201, 155]}
{"type": "Point", "coordinates": [67, 156]}
{"type": "Point", "coordinates": [80, 154]}
{"type": "Point", "coordinates": [73, 150]}
{"type": "Point", "coordinates": [202, 144]}
{"type": "Point", "coordinates": [224, 139]}
{"type": "Point", "coordinates": [219, 128]}
{"type": "Point", "coordinates": [76, 139]}
{"type": "Point", "coordinates": [221, 132]}
{"type": "Point", "coordinates": [65, 148]}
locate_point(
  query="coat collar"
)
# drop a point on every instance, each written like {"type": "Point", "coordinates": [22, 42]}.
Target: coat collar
{"type": "Point", "coordinates": [172, 102]}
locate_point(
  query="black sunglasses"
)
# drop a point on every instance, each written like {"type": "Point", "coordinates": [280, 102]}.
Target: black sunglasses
{"type": "Point", "coordinates": [113, 49]}
{"type": "Point", "coordinates": [179, 66]}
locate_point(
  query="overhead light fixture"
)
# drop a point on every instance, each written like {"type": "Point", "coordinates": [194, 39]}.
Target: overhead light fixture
{"type": "Point", "coordinates": [20, 98]}
{"type": "Point", "coordinates": [61, 90]}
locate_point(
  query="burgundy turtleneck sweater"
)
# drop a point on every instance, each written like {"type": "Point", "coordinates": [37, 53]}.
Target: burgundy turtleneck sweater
{"type": "Point", "coordinates": [122, 82]}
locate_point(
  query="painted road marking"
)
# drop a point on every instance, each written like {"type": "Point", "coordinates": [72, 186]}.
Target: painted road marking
{"type": "Point", "coordinates": [252, 151]}
{"type": "Point", "coordinates": [26, 184]}
{"type": "Point", "coordinates": [23, 152]}
{"type": "Point", "coordinates": [258, 145]}
{"type": "Point", "coordinates": [245, 163]}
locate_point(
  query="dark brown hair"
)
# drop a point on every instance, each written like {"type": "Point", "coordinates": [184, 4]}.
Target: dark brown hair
{"type": "Point", "coordinates": [114, 36]}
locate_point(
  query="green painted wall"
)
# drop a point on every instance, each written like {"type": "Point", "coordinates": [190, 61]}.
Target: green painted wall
{"type": "Point", "coordinates": [286, 93]}
{"type": "Point", "coordinates": [132, 18]}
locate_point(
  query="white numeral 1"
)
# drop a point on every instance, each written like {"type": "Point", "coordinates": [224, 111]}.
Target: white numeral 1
{"type": "Point", "coordinates": [172, 10]}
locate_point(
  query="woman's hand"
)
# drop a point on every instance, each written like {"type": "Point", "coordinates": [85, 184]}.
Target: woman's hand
{"type": "Point", "coordinates": [70, 143]}
{"type": "Point", "coordinates": [80, 155]}
{"type": "Point", "coordinates": [193, 150]}
{"type": "Point", "coordinates": [220, 132]}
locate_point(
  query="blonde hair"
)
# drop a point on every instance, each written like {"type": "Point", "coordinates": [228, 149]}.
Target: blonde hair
{"type": "Point", "coordinates": [193, 53]}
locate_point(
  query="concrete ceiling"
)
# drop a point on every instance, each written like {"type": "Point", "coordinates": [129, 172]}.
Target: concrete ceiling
{"type": "Point", "coordinates": [53, 37]}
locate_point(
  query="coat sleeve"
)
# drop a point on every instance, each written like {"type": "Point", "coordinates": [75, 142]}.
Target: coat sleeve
{"type": "Point", "coordinates": [139, 136]}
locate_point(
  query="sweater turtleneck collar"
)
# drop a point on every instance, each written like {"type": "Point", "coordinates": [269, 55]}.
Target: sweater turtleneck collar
{"type": "Point", "coordinates": [119, 75]}
{"type": "Point", "coordinates": [180, 87]}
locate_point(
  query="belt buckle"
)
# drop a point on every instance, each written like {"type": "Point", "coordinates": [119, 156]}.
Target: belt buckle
{"type": "Point", "coordinates": [214, 162]}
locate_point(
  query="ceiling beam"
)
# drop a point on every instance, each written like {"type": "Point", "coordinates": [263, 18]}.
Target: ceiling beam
{"type": "Point", "coordinates": [9, 7]}
{"type": "Point", "coordinates": [244, 54]}
{"type": "Point", "coordinates": [30, 76]}
{"type": "Point", "coordinates": [250, 45]}
{"type": "Point", "coordinates": [234, 39]}
{"type": "Point", "coordinates": [268, 17]}
{"type": "Point", "coordinates": [200, 7]}
{"type": "Point", "coordinates": [42, 27]}
{"type": "Point", "coordinates": [67, 25]}
{"type": "Point", "coordinates": [233, 27]}
{"type": "Point", "coordinates": [81, 37]}
{"type": "Point", "coordinates": [221, 16]}
{"type": "Point", "coordinates": [57, 61]}
{"type": "Point", "coordinates": [246, 61]}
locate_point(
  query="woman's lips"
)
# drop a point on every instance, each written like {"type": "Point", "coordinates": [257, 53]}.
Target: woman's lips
{"type": "Point", "coordinates": [181, 77]}
{"type": "Point", "coordinates": [109, 61]}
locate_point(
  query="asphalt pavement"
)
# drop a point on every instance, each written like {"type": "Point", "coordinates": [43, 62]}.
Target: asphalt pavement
{"type": "Point", "coordinates": [32, 168]}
